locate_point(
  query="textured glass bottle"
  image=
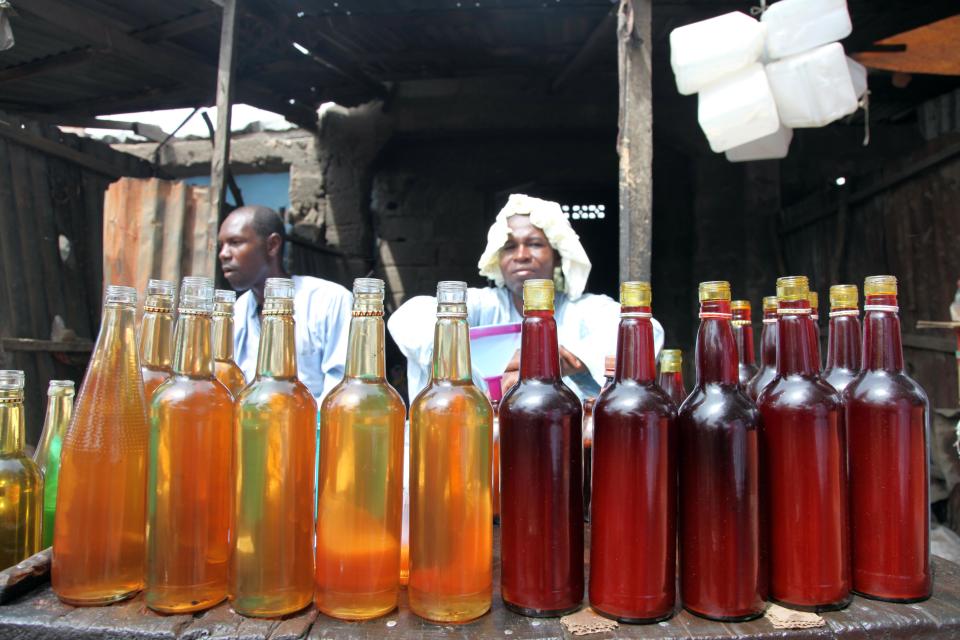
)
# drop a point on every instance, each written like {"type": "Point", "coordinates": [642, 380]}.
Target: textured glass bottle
{"type": "Point", "coordinates": [451, 422]}
{"type": "Point", "coordinates": [271, 572]}
{"type": "Point", "coordinates": [887, 414]}
{"type": "Point", "coordinates": [768, 350]}
{"type": "Point", "coordinates": [804, 466]}
{"type": "Point", "coordinates": [671, 375]}
{"type": "Point", "coordinates": [47, 456]}
{"type": "Point", "coordinates": [98, 540]}
{"type": "Point", "coordinates": [633, 541]}
{"type": "Point", "coordinates": [361, 475]}
{"type": "Point", "coordinates": [190, 481]}
{"type": "Point", "coordinates": [21, 482]}
{"type": "Point", "coordinates": [224, 366]}
{"type": "Point", "coordinates": [721, 568]}
{"type": "Point", "coordinates": [541, 512]}
{"type": "Point", "coordinates": [743, 335]}
{"type": "Point", "coordinates": [156, 335]}
{"type": "Point", "coordinates": [843, 346]}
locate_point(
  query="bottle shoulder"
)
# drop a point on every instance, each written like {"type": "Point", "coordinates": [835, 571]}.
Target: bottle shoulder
{"type": "Point", "coordinates": [532, 395]}
{"type": "Point", "coordinates": [443, 396]}
{"type": "Point", "coordinates": [873, 386]}
{"type": "Point", "coordinates": [179, 389]}
{"type": "Point", "coordinates": [361, 394]}
{"type": "Point", "coordinates": [628, 398]}
{"type": "Point", "coordinates": [798, 392]}
{"type": "Point", "coordinates": [19, 465]}
{"type": "Point", "coordinates": [718, 405]}
{"type": "Point", "coordinates": [263, 389]}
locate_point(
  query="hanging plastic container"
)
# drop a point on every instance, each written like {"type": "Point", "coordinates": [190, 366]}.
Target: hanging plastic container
{"type": "Point", "coordinates": [738, 109]}
{"type": "Point", "coordinates": [771, 147]}
{"type": "Point", "coordinates": [858, 76]}
{"type": "Point", "coordinates": [813, 89]}
{"type": "Point", "coordinates": [795, 26]}
{"type": "Point", "coordinates": [706, 51]}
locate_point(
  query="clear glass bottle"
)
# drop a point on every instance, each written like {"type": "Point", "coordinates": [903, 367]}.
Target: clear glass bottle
{"type": "Point", "coordinates": [156, 336]}
{"type": "Point", "coordinates": [451, 422]}
{"type": "Point", "coordinates": [224, 366]}
{"type": "Point", "coordinates": [21, 481]}
{"type": "Point", "coordinates": [190, 481]}
{"type": "Point", "coordinates": [768, 350]}
{"type": "Point", "coordinates": [361, 481]}
{"type": "Point", "coordinates": [814, 301]}
{"type": "Point", "coordinates": [743, 335]}
{"type": "Point", "coordinates": [671, 375]}
{"type": "Point", "coordinates": [271, 572]}
{"type": "Point", "coordinates": [843, 346]}
{"type": "Point", "coordinates": [47, 456]}
{"type": "Point", "coordinates": [98, 540]}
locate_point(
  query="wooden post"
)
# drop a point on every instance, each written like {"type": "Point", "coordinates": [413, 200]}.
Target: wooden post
{"type": "Point", "coordinates": [635, 139]}
{"type": "Point", "coordinates": [221, 138]}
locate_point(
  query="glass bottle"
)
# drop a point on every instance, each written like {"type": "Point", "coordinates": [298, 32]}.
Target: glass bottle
{"type": "Point", "coordinates": [361, 467]}
{"type": "Point", "coordinates": [21, 481]}
{"type": "Point", "coordinates": [541, 512]}
{"type": "Point", "coordinates": [886, 418]}
{"type": "Point", "coordinates": [843, 345]}
{"type": "Point", "coordinates": [804, 466]}
{"type": "Point", "coordinates": [721, 568]}
{"type": "Point", "coordinates": [98, 540]}
{"type": "Point", "coordinates": [271, 569]}
{"type": "Point", "coordinates": [768, 350]}
{"type": "Point", "coordinates": [189, 487]}
{"type": "Point", "coordinates": [156, 335]}
{"type": "Point", "coordinates": [814, 301]}
{"type": "Point", "coordinates": [609, 370]}
{"type": "Point", "coordinates": [224, 366]}
{"type": "Point", "coordinates": [671, 375]}
{"type": "Point", "coordinates": [47, 456]}
{"type": "Point", "coordinates": [633, 551]}
{"type": "Point", "coordinates": [496, 460]}
{"type": "Point", "coordinates": [451, 422]}
{"type": "Point", "coordinates": [743, 336]}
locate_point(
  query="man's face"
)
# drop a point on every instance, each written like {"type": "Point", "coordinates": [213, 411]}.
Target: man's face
{"type": "Point", "coordinates": [243, 254]}
{"type": "Point", "coordinates": [526, 255]}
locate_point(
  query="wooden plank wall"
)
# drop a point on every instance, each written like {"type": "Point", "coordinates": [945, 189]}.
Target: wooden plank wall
{"type": "Point", "coordinates": [51, 212]}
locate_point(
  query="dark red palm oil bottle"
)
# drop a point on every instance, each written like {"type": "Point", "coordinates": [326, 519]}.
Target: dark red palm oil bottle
{"type": "Point", "coordinates": [843, 343]}
{"type": "Point", "coordinates": [804, 465]}
{"type": "Point", "coordinates": [541, 512]}
{"type": "Point", "coordinates": [633, 535]}
{"type": "Point", "coordinates": [671, 375]}
{"type": "Point", "coordinates": [721, 569]}
{"type": "Point", "coordinates": [768, 349]}
{"type": "Point", "coordinates": [743, 336]}
{"type": "Point", "coordinates": [886, 413]}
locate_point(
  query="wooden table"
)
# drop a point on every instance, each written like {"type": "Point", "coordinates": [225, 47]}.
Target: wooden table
{"type": "Point", "coordinates": [38, 614]}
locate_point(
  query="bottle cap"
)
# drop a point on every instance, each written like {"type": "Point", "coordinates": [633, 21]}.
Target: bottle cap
{"type": "Point", "coordinates": [196, 295]}
{"type": "Point", "coordinates": [671, 360]}
{"type": "Point", "coordinates": [741, 312]}
{"type": "Point", "coordinates": [60, 388]}
{"type": "Point", "coordinates": [740, 305]}
{"type": "Point", "coordinates": [769, 303]}
{"type": "Point", "coordinates": [793, 288]}
{"type": "Point", "coordinates": [368, 287]}
{"type": "Point", "coordinates": [814, 300]}
{"type": "Point", "coordinates": [119, 294]}
{"type": "Point", "coordinates": [451, 292]}
{"type": "Point", "coordinates": [537, 295]}
{"type": "Point", "coordinates": [880, 286]}
{"type": "Point", "coordinates": [843, 296]}
{"type": "Point", "coordinates": [714, 290]}
{"type": "Point", "coordinates": [635, 294]}
{"type": "Point", "coordinates": [609, 366]}
{"type": "Point", "coordinates": [11, 380]}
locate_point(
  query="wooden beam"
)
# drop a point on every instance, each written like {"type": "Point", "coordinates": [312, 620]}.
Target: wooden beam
{"type": "Point", "coordinates": [54, 148]}
{"type": "Point", "coordinates": [219, 164]}
{"type": "Point", "coordinates": [179, 26]}
{"type": "Point", "coordinates": [635, 139]}
{"type": "Point", "coordinates": [148, 131]}
{"type": "Point", "coordinates": [50, 63]}
{"type": "Point", "coordinates": [55, 346]}
{"type": "Point", "coordinates": [597, 39]}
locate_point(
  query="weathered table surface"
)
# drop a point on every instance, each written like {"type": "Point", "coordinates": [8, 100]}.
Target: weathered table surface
{"type": "Point", "coordinates": [38, 614]}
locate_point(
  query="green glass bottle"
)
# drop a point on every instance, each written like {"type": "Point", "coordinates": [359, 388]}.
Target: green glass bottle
{"type": "Point", "coordinates": [47, 456]}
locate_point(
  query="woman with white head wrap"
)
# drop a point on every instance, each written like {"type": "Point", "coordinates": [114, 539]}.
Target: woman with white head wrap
{"type": "Point", "coordinates": [531, 238]}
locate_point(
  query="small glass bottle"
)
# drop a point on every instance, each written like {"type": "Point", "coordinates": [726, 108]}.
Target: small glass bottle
{"type": "Point", "coordinates": [721, 564]}
{"type": "Point", "coordinates": [156, 335]}
{"type": "Point", "coordinates": [843, 346]}
{"type": "Point", "coordinates": [271, 570]}
{"type": "Point", "coordinates": [224, 366]}
{"type": "Point", "coordinates": [451, 538]}
{"type": "Point", "coordinates": [768, 350]}
{"type": "Point", "coordinates": [47, 456]}
{"type": "Point", "coordinates": [361, 481]}
{"type": "Point", "coordinates": [886, 417]}
{"type": "Point", "coordinates": [671, 375]}
{"type": "Point", "coordinates": [541, 517]}
{"type": "Point", "coordinates": [633, 537]}
{"type": "Point", "coordinates": [21, 481]}
{"type": "Point", "coordinates": [804, 466]}
{"type": "Point", "coordinates": [496, 461]}
{"type": "Point", "coordinates": [814, 301]}
{"type": "Point", "coordinates": [609, 370]}
{"type": "Point", "coordinates": [743, 335]}
{"type": "Point", "coordinates": [98, 539]}
{"type": "Point", "coordinates": [190, 482]}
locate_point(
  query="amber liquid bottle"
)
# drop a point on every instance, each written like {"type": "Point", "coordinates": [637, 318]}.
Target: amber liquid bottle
{"type": "Point", "coordinates": [361, 481]}
{"type": "Point", "coordinates": [224, 366]}
{"type": "Point", "coordinates": [451, 531]}
{"type": "Point", "coordinates": [814, 301]}
{"type": "Point", "coordinates": [190, 481]}
{"type": "Point", "coordinates": [47, 456]}
{"type": "Point", "coordinates": [887, 415]}
{"type": "Point", "coordinates": [633, 537]}
{"type": "Point", "coordinates": [156, 336]}
{"type": "Point", "coordinates": [271, 571]}
{"type": "Point", "coordinates": [609, 370]}
{"type": "Point", "coordinates": [843, 346]}
{"type": "Point", "coordinates": [671, 375]}
{"type": "Point", "coordinates": [721, 567]}
{"type": "Point", "coordinates": [743, 335]}
{"type": "Point", "coordinates": [804, 466]}
{"type": "Point", "coordinates": [768, 350]}
{"type": "Point", "coordinates": [98, 539]}
{"type": "Point", "coordinates": [21, 481]}
{"type": "Point", "coordinates": [541, 514]}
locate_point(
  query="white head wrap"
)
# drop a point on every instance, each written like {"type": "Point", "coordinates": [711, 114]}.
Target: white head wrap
{"type": "Point", "coordinates": [549, 218]}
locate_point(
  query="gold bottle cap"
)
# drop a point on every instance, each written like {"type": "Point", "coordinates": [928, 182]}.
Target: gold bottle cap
{"type": "Point", "coordinates": [196, 295]}
{"type": "Point", "coordinates": [537, 295]}
{"type": "Point", "coordinates": [793, 288]}
{"type": "Point", "coordinates": [880, 286]}
{"type": "Point", "coordinates": [60, 388]}
{"type": "Point", "coordinates": [635, 294]}
{"type": "Point", "coordinates": [739, 305]}
{"type": "Point", "coordinates": [609, 366]}
{"type": "Point", "coordinates": [671, 361]}
{"type": "Point", "coordinates": [769, 303]}
{"type": "Point", "coordinates": [814, 300]}
{"type": "Point", "coordinates": [843, 296]}
{"type": "Point", "coordinates": [714, 290]}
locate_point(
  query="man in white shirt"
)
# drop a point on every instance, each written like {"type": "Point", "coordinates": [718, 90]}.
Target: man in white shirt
{"type": "Point", "coordinates": [251, 250]}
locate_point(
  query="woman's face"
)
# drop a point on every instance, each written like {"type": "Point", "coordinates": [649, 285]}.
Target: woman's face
{"type": "Point", "coordinates": [526, 255]}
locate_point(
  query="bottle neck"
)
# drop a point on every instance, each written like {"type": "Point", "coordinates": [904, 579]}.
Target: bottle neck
{"type": "Point", "coordinates": [277, 354]}
{"type": "Point", "coordinates": [155, 331]}
{"type": "Point", "coordinates": [11, 426]}
{"type": "Point", "coordinates": [59, 412]}
{"type": "Point", "coordinates": [451, 348]}
{"type": "Point", "coordinates": [768, 340]}
{"type": "Point", "coordinates": [797, 352]}
{"type": "Point", "coordinates": [365, 348]}
{"type": "Point", "coordinates": [192, 355]}
{"type": "Point", "coordinates": [716, 348]}
{"type": "Point", "coordinates": [743, 336]}
{"type": "Point", "coordinates": [222, 336]}
{"type": "Point", "coordinates": [539, 352]}
{"type": "Point", "coordinates": [636, 358]}
{"type": "Point", "coordinates": [843, 343]}
{"type": "Point", "coordinates": [882, 347]}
